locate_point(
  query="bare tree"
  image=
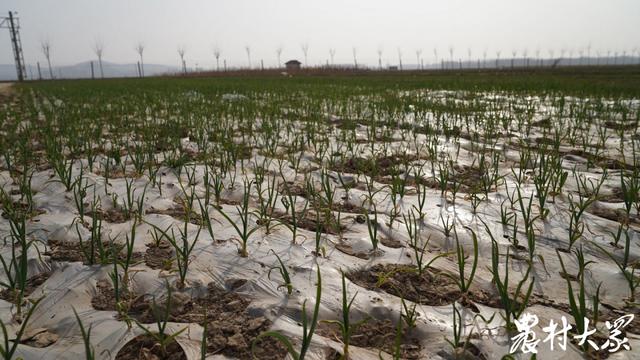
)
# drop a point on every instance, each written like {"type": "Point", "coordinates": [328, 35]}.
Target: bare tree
{"type": "Point", "coordinates": [98, 49]}
{"type": "Point", "coordinates": [562, 52]}
{"type": "Point", "coordinates": [484, 58]}
{"type": "Point", "coordinates": [580, 56]}
{"type": "Point", "coordinates": [468, 57]}
{"type": "Point", "coordinates": [418, 53]}
{"type": "Point", "coordinates": [46, 50]}
{"type": "Point", "coordinates": [551, 57]}
{"type": "Point", "coordinates": [279, 53]}
{"type": "Point", "coordinates": [498, 58]}
{"type": "Point", "coordinates": [380, 57]}
{"type": "Point", "coordinates": [571, 56]}
{"type": "Point", "coordinates": [435, 55]}
{"type": "Point", "coordinates": [305, 51]}
{"type": "Point", "coordinates": [525, 58]}
{"type": "Point", "coordinates": [216, 53]}
{"type": "Point", "coordinates": [451, 55]}
{"type": "Point", "coordinates": [181, 52]}
{"type": "Point", "coordinates": [400, 58]}
{"type": "Point", "coordinates": [513, 57]}
{"type": "Point", "coordinates": [355, 57]}
{"type": "Point", "coordinates": [248, 50]}
{"type": "Point", "coordinates": [332, 54]}
{"type": "Point", "coordinates": [140, 50]}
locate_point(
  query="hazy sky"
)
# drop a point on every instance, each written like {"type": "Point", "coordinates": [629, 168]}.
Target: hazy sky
{"type": "Point", "coordinates": [73, 26]}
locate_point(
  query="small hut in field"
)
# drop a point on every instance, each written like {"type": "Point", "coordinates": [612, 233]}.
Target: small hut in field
{"type": "Point", "coordinates": [293, 65]}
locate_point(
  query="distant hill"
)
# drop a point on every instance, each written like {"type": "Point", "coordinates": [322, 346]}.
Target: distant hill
{"type": "Point", "coordinates": [520, 62]}
{"type": "Point", "coordinates": [502, 63]}
{"type": "Point", "coordinates": [83, 70]}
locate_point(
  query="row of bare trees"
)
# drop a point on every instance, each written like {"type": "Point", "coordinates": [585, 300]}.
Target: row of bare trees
{"type": "Point", "coordinates": [521, 58]}
{"type": "Point", "coordinates": [98, 50]}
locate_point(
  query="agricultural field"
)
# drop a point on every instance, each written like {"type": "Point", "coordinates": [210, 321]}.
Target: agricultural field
{"type": "Point", "coordinates": [370, 216]}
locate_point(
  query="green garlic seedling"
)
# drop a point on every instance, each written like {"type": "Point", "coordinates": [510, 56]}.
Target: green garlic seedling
{"type": "Point", "coordinates": [308, 328]}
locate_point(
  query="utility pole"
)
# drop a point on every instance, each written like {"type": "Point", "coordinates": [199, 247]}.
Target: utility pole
{"type": "Point", "coordinates": [13, 24]}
